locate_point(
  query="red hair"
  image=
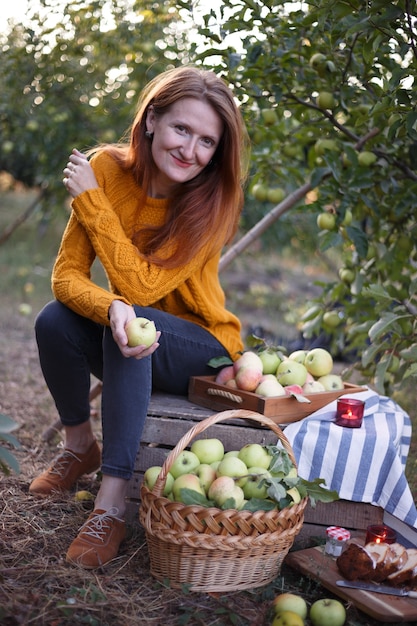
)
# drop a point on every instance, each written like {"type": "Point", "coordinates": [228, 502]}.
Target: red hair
{"type": "Point", "coordinates": [203, 211]}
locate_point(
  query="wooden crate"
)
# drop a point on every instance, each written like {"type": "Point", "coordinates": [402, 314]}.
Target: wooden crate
{"type": "Point", "coordinates": [203, 390]}
{"type": "Point", "coordinates": [170, 417]}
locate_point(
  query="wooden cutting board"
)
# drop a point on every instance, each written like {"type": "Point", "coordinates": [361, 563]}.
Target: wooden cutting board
{"type": "Point", "coordinates": [314, 563]}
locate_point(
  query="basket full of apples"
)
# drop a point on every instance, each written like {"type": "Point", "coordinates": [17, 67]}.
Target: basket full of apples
{"type": "Point", "coordinates": [284, 388]}
{"type": "Point", "coordinates": [221, 521]}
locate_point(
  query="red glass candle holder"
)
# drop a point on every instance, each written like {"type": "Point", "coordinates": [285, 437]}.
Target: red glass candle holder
{"type": "Point", "coordinates": [349, 412]}
{"type": "Point", "coordinates": [379, 533]}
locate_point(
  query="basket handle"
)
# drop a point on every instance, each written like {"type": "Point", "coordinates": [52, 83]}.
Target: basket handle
{"type": "Point", "coordinates": [209, 421]}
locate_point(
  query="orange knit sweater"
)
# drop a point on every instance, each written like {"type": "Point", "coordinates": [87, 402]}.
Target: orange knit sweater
{"type": "Point", "coordinates": [101, 225]}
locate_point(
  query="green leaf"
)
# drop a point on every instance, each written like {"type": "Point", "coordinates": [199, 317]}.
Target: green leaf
{"type": "Point", "coordinates": [259, 504]}
{"type": "Point", "coordinates": [220, 361]}
{"type": "Point", "coordinates": [381, 326]}
{"type": "Point", "coordinates": [8, 460]}
{"type": "Point", "coordinates": [7, 425]}
{"type": "Point", "coordinates": [191, 497]}
{"type": "Point", "coordinates": [316, 492]}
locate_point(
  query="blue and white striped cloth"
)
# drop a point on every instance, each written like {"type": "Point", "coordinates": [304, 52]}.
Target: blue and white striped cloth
{"type": "Point", "coordinates": [364, 464]}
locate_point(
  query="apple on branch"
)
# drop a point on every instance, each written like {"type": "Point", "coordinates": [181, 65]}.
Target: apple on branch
{"type": "Point", "coordinates": [140, 332]}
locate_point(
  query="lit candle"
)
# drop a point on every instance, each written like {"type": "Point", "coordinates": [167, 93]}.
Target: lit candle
{"type": "Point", "coordinates": [349, 412]}
{"type": "Point", "coordinates": [379, 533]}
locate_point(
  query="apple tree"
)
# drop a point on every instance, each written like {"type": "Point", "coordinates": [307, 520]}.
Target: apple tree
{"type": "Point", "coordinates": [328, 92]}
{"type": "Point", "coordinates": [70, 76]}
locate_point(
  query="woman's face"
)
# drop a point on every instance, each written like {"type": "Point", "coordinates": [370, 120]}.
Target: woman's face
{"type": "Point", "coordinates": [184, 140]}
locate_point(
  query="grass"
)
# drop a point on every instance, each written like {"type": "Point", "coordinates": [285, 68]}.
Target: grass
{"type": "Point", "coordinates": [36, 586]}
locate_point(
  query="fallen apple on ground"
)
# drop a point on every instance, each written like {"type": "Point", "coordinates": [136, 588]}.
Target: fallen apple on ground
{"type": "Point", "coordinates": [290, 602]}
{"type": "Point", "coordinates": [327, 612]}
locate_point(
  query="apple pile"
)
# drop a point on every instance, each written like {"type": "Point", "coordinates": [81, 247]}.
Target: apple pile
{"type": "Point", "coordinates": [291, 609]}
{"type": "Point", "coordinates": [253, 478]}
{"type": "Point", "coordinates": [270, 374]}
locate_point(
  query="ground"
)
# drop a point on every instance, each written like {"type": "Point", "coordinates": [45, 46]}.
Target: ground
{"type": "Point", "coordinates": [36, 585]}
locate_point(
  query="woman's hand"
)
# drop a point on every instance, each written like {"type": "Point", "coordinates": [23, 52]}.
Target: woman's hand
{"type": "Point", "coordinates": [79, 175]}
{"type": "Point", "coordinates": [120, 314]}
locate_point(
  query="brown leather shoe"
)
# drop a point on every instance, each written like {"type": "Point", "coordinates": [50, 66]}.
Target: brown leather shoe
{"type": "Point", "coordinates": [65, 470]}
{"type": "Point", "coordinates": [98, 541]}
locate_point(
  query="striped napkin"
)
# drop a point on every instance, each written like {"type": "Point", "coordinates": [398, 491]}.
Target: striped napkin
{"type": "Point", "coordinates": [364, 464]}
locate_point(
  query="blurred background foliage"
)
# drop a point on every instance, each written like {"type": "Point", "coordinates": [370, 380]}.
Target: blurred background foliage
{"type": "Point", "coordinates": [327, 90]}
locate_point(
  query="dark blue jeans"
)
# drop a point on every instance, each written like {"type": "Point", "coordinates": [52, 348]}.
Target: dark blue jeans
{"type": "Point", "coordinates": [72, 347]}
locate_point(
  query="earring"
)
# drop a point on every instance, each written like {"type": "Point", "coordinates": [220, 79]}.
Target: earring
{"type": "Point", "coordinates": [149, 134]}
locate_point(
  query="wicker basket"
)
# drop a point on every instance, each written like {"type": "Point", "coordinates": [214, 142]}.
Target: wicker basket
{"type": "Point", "coordinates": [209, 549]}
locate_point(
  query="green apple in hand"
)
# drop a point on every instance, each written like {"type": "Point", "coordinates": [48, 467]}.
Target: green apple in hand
{"type": "Point", "coordinates": [140, 332]}
{"type": "Point", "coordinates": [208, 450]}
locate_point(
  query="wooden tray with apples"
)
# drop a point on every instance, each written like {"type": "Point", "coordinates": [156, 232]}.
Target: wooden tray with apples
{"type": "Point", "coordinates": [286, 390]}
{"type": "Point", "coordinates": [203, 390]}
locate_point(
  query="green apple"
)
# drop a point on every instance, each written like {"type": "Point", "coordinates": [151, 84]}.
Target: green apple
{"type": "Point", "coordinates": [269, 387]}
{"type": "Point", "coordinates": [318, 362]}
{"type": "Point", "coordinates": [208, 450]}
{"type": "Point", "coordinates": [140, 332]}
{"type": "Point", "coordinates": [185, 463]}
{"type": "Point", "coordinates": [294, 494]}
{"type": "Point", "coordinates": [275, 195]}
{"type": "Point", "coordinates": [347, 275]}
{"type": "Point", "coordinates": [326, 221]}
{"type": "Point", "coordinates": [331, 382]}
{"type": "Point", "coordinates": [223, 488]}
{"type": "Point", "coordinates": [255, 455]}
{"type": "Point", "coordinates": [324, 145]}
{"type": "Point", "coordinates": [366, 158]}
{"type": "Point", "coordinates": [270, 361]}
{"type": "Point", "coordinates": [290, 602]}
{"type": "Point", "coordinates": [206, 475]}
{"type": "Point", "coordinates": [152, 474]}
{"type": "Point", "coordinates": [332, 319]}
{"type": "Point", "coordinates": [291, 372]}
{"type": "Point", "coordinates": [327, 612]}
{"type": "Point", "coordinates": [298, 355]}
{"type": "Point", "coordinates": [233, 467]}
{"type": "Point", "coordinates": [347, 220]}
{"type": "Point", "coordinates": [325, 100]}
{"type": "Point", "coordinates": [269, 116]}
{"type": "Point", "coordinates": [252, 487]}
{"type": "Point", "coordinates": [186, 481]}
{"type": "Point", "coordinates": [313, 386]}
{"type": "Point", "coordinates": [231, 453]}
{"type": "Point", "coordinates": [260, 192]}
{"type": "Point", "coordinates": [318, 61]}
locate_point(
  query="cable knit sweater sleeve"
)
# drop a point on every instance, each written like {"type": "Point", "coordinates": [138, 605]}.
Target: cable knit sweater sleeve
{"type": "Point", "coordinates": [102, 223]}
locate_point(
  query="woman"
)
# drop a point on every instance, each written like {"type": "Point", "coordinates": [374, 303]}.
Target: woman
{"type": "Point", "coordinates": [156, 211]}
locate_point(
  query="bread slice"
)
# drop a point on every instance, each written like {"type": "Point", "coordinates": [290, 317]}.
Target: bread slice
{"type": "Point", "coordinates": [388, 559]}
{"type": "Point", "coordinates": [407, 573]}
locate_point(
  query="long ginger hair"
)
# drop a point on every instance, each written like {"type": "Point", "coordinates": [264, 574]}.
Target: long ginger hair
{"type": "Point", "coordinates": [204, 211]}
